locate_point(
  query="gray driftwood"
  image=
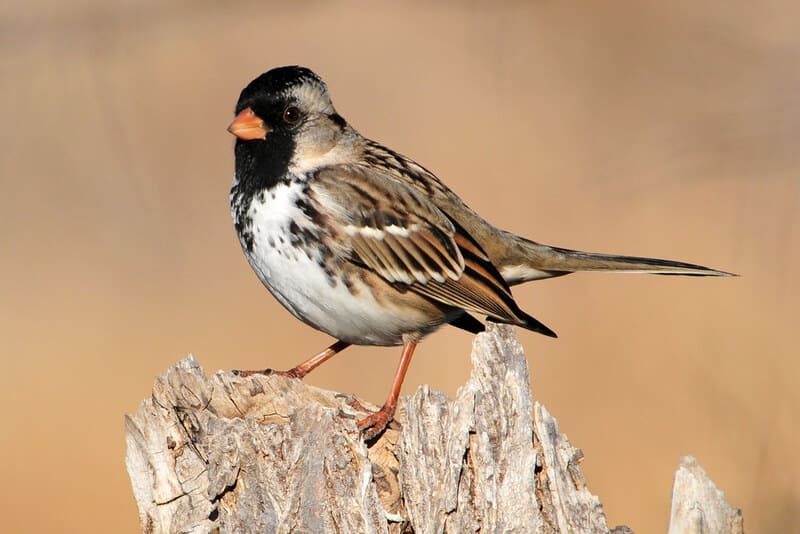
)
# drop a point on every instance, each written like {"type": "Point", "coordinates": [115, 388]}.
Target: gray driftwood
{"type": "Point", "coordinates": [698, 506]}
{"type": "Point", "coordinates": [270, 454]}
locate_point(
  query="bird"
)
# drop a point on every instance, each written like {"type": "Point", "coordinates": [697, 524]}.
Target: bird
{"type": "Point", "coordinates": [367, 245]}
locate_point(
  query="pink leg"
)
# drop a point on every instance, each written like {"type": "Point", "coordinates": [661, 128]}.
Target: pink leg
{"type": "Point", "coordinates": [306, 367]}
{"type": "Point", "coordinates": [373, 424]}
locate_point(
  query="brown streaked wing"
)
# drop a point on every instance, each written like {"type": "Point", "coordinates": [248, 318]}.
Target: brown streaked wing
{"type": "Point", "coordinates": [481, 289]}
{"type": "Point", "coordinates": [391, 227]}
{"type": "Point", "coordinates": [400, 234]}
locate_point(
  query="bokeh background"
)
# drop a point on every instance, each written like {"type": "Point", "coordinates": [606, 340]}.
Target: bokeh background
{"type": "Point", "coordinates": [653, 128]}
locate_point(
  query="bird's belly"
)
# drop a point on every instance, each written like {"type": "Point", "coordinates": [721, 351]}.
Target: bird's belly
{"type": "Point", "coordinates": [313, 297]}
{"type": "Point", "coordinates": [350, 312]}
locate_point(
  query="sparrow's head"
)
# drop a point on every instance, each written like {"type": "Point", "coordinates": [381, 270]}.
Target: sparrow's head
{"type": "Point", "coordinates": [285, 120]}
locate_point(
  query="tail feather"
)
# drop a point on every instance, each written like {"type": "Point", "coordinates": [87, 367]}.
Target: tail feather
{"type": "Point", "coordinates": [532, 261]}
{"type": "Point", "coordinates": [529, 322]}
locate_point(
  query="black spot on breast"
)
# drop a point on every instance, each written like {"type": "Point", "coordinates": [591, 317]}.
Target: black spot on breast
{"type": "Point", "coordinates": [308, 209]}
{"type": "Point", "coordinates": [244, 228]}
{"type": "Point", "coordinates": [303, 237]}
{"type": "Point", "coordinates": [294, 232]}
{"type": "Point", "coordinates": [247, 241]}
{"type": "Point", "coordinates": [348, 283]}
{"type": "Point", "coordinates": [330, 274]}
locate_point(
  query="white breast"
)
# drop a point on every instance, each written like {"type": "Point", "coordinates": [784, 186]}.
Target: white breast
{"type": "Point", "coordinates": [294, 276]}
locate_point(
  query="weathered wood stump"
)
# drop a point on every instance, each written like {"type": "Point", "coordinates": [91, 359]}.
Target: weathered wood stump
{"type": "Point", "coordinates": [270, 454]}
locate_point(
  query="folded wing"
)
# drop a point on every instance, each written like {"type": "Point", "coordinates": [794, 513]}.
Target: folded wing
{"type": "Point", "coordinates": [394, 230]}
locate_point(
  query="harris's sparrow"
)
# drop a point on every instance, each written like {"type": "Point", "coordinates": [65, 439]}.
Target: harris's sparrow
{"type": "Point", "coordinates": [368, 246]}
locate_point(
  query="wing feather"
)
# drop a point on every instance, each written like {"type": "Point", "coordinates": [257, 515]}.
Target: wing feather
{"type": "Point", "coordinates": [393, 229]}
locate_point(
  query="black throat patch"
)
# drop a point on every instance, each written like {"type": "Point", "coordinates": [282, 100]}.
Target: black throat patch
{"type": "Point", "coordinates": [260, 166]}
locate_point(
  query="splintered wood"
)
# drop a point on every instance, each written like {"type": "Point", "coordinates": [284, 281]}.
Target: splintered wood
{"type": "Point", "coordinates": [270, 454]}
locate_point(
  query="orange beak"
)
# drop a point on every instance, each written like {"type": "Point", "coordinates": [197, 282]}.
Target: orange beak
{"type": "Point", "coordinates": [247, 126]}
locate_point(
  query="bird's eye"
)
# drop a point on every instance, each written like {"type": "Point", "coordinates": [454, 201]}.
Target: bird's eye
{"type": "Point", "coordinates": [291, 115]}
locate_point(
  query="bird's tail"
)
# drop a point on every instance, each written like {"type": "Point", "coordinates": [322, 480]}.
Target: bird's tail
{"type": "Point", "coordinates": [527, 260]}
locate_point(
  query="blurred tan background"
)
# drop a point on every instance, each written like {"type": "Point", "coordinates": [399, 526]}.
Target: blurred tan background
{"type": "Point", "coordinates": [654, 128]}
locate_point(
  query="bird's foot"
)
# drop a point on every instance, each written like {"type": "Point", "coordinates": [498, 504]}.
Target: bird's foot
{"type": "Point", "coordinates": [375, 423]}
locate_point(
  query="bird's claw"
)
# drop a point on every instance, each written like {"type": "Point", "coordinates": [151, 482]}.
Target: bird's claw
{"type": "Point", "coordinates": [374, 424]}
